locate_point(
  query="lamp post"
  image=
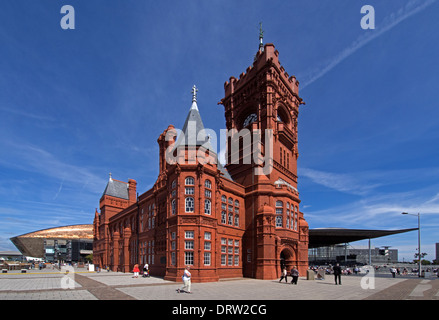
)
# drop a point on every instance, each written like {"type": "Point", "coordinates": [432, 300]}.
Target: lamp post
{"type": "Point", "coordinates": [419, 240]}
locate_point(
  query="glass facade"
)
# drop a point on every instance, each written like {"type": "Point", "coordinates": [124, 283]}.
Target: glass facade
{"type": "Point", "coordinates": [67, 250]}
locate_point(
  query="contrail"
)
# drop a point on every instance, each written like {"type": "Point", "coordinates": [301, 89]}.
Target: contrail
{"type": "Point", "coordinates": [59, 190]}
{"type": "Point", "coordinates": [411, 8]}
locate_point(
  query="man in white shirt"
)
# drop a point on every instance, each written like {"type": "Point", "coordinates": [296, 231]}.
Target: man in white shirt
{"type": "Point", "coordinates": [186, 281]}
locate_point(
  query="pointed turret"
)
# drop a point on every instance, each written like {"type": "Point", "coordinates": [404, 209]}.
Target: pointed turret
{"type": "Point", "coordinates": [194, 135]}
{"type": "Point", "coordinates": [193, 132]}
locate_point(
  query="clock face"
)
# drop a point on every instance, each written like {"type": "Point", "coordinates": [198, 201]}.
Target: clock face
{"type": "Point", "coordinates": [250, 118]}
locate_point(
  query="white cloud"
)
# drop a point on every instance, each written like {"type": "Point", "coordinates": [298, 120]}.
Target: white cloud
{"type": "Point", "coordinates": [367, 182]}
{"type": "Point", "coordinates": [338, 181]}
{"type": "Point", "coordinates": [30, 115]}
{"type": "Point", "coordinates": [31, 158]}
{"type": "Point", "coordinates": [390, 21]}
{"type": "Point", "coordinates": [380, 210]}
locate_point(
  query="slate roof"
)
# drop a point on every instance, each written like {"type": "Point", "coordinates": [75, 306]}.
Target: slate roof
{"type": "Point", "coordinates": [192, 127]}
{"type": "Point", "coordinates": [191, 136]}
{"type": "Point", "coordinates": [116, 189]}
{"type": "Point", "coordinates": [224, 171]}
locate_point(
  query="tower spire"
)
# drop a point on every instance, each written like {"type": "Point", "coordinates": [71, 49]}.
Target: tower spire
{"type": "Point", "coordinates": [194, 98]}
{"type": "Point", "coordinates": [261, 37]}
{"type": "Point", "coordinates": [194, 93]}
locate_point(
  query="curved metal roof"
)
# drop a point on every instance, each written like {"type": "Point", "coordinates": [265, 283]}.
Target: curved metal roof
{"type": "Point", "coordinates": [32, 244]}
{"type": "Point", "coordinates": [78, 231]}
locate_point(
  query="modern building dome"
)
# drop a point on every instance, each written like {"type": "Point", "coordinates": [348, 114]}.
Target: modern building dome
{"type": "Point", "coordinates": [34, 244]}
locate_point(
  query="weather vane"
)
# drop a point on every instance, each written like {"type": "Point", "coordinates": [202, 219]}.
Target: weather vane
{"type": "Point", "coordinates": [194, 93]}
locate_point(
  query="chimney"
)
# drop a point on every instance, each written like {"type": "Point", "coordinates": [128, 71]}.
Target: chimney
{"type": "Point", "coordinates": [132, 191]}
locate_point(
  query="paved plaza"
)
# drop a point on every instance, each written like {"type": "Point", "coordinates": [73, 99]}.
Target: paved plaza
{"type": "Point", "coordinates": [80, 284]}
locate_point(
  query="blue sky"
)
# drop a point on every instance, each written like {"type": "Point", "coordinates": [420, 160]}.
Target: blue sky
{"type": "Point", "coordinates": [78, 104]}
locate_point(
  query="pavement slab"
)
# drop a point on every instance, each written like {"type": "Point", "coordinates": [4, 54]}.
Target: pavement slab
{"type": "Point", "coordinates": [123, 286]}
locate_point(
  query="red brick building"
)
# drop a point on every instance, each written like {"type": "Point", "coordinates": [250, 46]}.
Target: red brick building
{"type": "Point", "coordinates": [241, 220]}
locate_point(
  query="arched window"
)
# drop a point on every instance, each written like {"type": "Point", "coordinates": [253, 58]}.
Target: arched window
{"type": "Point", "coordinates": [279, 214]}
{"type": "Point", "coordinates": [282, 115]}
{"type": "Point", "coordinates": [250, 119]}
{"type": "Point", "coordinates": [173, 207]}
{"type": "Point", "coordinates": [236, 203]}
{"type": "Point", "coordinates": [223, 198]}
{"type": "Point", "coordinates": [230, 201]}
{"type": "Point", "coordinates": [207, 206]}
{"type": "Point", "coordinates": [236, 220]}
{"type": "Point", "coordinates": [189, 202]}
{"type": "Point", "coordinates": [279, 207]}
{"type": "Point", "coordinates": [189, 181]}
{"type": "Point", "coordinates": [279, 118]}
{"type": "Point", "coordinates": [230, 220]}
{"type": "Point", "coordinates": [208, 184]}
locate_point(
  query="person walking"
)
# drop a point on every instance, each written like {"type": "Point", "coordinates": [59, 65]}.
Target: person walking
{"type": "Point", "coordinates": [146, 271]}
{"type": "Point", "coordinates": [186, 281]}
{"type": "Point", "coordinates": [393, 272]}
{"type": "Point", "coordinates": [284, 275]}
{"type": "Point", "coordinates": [294, 274]}
{"type": "Point", "coordinates": [337, 273]}
{"type": "Point", "coordinates": [136, 271]}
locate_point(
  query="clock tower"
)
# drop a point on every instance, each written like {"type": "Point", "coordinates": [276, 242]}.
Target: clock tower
{"type": "Point", "coordinates": [261, 112]}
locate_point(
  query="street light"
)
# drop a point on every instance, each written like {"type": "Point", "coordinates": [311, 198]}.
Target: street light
{"type": "Point", "coordinates": [419, 239]}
